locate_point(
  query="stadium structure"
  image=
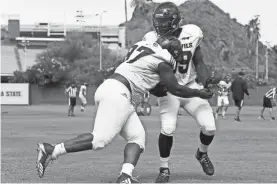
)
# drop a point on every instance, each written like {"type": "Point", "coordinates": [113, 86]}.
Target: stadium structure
{"type": "Point", "coordinates": [21, 43]}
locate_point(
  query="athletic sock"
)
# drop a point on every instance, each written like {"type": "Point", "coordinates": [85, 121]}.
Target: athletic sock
{"type": "Point", "coordinates": [59, 150]}
{"type": "Point", "coordinates": [127, 168]}
{"type": "Point", "coordinates": [164, 162]}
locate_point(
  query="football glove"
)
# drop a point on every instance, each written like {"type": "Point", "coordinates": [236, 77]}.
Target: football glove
{"type": "Point", "coordinates": [159, 90]}
{"type": "Point", "coordinates": [212, 81]}
{"type": "Point", "coordinates": [205, 93]}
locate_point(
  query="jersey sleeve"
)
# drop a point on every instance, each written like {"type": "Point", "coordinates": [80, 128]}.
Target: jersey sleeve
{"type": "Point", "coordinates": [150, 37]}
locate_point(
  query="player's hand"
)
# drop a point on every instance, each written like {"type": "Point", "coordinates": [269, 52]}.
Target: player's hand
{"type": "Point", "coordinates": [212, 81]}
{"type": "Point", "coordinates": [159, 90]}
{"type": "Point", "coordinates": [205, 93]}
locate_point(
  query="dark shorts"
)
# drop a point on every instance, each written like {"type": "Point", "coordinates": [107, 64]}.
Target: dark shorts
{"type": "Point", "coordinates": [72, 101]}
{"type": "Point", "coordinates": [267, 102]}
{"type": "Point", "coordinates": [238, 103]}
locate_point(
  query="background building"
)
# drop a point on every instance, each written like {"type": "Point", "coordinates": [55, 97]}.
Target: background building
{"type": "Point", "coordinates": [24, 42]}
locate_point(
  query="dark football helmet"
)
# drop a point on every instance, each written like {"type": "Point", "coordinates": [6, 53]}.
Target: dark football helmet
{"type": "Point", "coordinates": [166, 18]}
{"type": "Point", "coordinates": [173, 45]}
{"type": "Point", "coordinates": [227, 78]}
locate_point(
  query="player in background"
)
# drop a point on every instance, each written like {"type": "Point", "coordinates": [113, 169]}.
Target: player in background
{"type": "Point", "coordinates": [83, 96]}
{"type": "Point", "coordinates": [166, 19]}
{"type": "Point", "coordinates": [223, 96]}
{"type": "Point", "coordinates": [268, 100]}
{"type": "Point", "coordinates": [145, 65]}
{"type": "Point", "coordinates": [71, 92]}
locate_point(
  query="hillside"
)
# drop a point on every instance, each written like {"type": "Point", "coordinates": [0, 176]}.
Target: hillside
{"type": "Point", "coordinates": [225, 43]}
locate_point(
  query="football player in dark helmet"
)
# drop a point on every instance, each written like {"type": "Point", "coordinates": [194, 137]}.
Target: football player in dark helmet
{"type": "Point", "coordinates": [166, 21]}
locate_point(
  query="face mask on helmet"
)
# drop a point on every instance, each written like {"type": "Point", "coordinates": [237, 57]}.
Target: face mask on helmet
{"type": "Point", "coordinates": [166, 19]}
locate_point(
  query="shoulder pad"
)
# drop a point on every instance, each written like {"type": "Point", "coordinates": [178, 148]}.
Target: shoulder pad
{"type": "Point", "coordinates": [150, 36]}
{"type": "Point", "coordinates": [191, 29]}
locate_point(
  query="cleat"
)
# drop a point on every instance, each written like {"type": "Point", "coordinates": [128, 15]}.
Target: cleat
{"type": "Point", "coordinates": [261, 117]}
{"type": "Point", "coordinates": [272, 118]}
{"type": "Point", "coordinates": [125, 178]}
{"type": "Point", "coordinates": [205, 162]}
{"type": "Point", "coordinates": [82, 110]}
{"type": "Point", "coordinates": [163, 176]}
{"type": "Point", "coordinates": [237, 119]}
{"type": "Point", "coordinates": [43, 159]}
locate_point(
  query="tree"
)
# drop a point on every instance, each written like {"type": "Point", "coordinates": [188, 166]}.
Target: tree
{"type": "Point", "coordinates": [253, 34]}
{"type": "Point", "coordinates": [75, 59]}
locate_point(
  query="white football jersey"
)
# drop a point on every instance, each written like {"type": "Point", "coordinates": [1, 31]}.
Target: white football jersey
{"type": "Point", "coordinates": [224, 88]}
{"type": "Point", "coordinates": [83, 90]}
{"type": "Point", "coordinates": [140, 66]}
{"type": "Point", "coordinates": [190, 37]}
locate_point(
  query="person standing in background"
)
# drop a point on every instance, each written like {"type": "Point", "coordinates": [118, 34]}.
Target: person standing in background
{"type": "Point", "coordinates": [71, 91]}
{"type": "Point", "coordinates": [223, 96]}
{"type": "Point", "coordinates": [239, 87]}
{"type": "Point", "coordinates": [83, 96]}
{"type": "Point", "coordinates": [268, 99]}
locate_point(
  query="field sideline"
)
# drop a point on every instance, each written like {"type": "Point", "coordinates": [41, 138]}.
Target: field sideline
{"type": "Point", "coordinates": [241, 152]}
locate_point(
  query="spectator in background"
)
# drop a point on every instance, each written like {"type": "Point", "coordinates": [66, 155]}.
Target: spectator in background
{"type": "Point", "coordinates": [269, 97]}
{"type": "Point", "coordinates": [239, 87]}
{"type": "Point", "coordinates": [71, 91]}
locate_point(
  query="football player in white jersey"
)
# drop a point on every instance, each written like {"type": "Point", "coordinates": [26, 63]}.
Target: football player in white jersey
{"type": "Point", "coordinates": [223, 96]}
{"type": "Point", "coordinates": [145, 65]}
{"type": "Point", "coordinates": [166, 19]}
{"type": "Point", "coordinates": [83, 96]}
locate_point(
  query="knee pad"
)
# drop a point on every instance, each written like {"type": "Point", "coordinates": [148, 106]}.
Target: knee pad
{"type": "Point", "coordinates": [139, 140]}
{"type": "Point", "coordinates": [208, 132]}
{"type": "Point", "coordinates": [168, 130]}
{"type": "Point", "coordinates": [206, 120]}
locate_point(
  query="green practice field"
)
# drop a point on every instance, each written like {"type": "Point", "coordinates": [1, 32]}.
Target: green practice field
{"type": "Point", "coordinates": [241, 152]}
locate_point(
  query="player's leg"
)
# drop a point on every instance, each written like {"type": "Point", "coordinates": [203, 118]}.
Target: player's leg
{"type": "Point", "coordinates": [270, 106]}
{"type": "Point", "coordinates": [225, 105]}
{"type": "Point", "coordinates": [239, 104]}
{"type": "Point", "coordinates": [69, 107]}
{"type": "Point", "coordinates": [134, 133]}
{"type": "Point", "coordinates": [84, 103]}
{"type": "Point", "coordinates": [262, 113]}
{"type": "Point", "coordinates": [202, 112]}
{"type": "Point", "coordinates": [264, 106]}
{"type": "Point", "coordinates": [118, 108]}
{"type": "Point", "coordinates": [219, 104]}
{"type": "Point", "coordinates": [73, 106]}
{"type": "Point", "coordinates": [169, 108]}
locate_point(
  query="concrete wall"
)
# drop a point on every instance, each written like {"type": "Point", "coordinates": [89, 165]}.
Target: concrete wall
{"type": "Point", "coordinates": [55, 95]}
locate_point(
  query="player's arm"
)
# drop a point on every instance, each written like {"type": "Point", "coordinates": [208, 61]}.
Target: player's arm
{"type": "Point", "coordinates": [200, 67]}
{"type": "Point", "coordinates": [169, 80]}
{"type": "Point", "coordinates": [245, 88]}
